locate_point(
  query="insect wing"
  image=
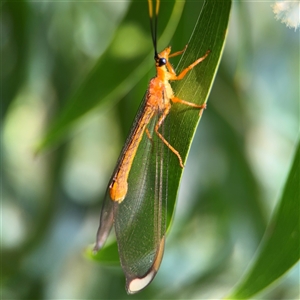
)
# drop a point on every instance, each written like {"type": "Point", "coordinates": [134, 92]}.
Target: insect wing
{"type": "Point", "coordinates": [140, 219]}
{"type": "Point", "coordinates": [107, 213]}
{"type": "Point", "coordinates": [106, 222]}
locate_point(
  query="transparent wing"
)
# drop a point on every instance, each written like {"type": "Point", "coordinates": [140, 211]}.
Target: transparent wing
{"type": "Point", "coordinates": [107, 214]}
{"type": "Point", "coordinates": [140, 220]}
{"type": "Point", "coordinates": [106, 222]}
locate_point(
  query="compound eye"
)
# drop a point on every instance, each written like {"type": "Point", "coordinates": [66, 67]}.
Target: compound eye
{"type": "Point", "coordinates": [162, 62]}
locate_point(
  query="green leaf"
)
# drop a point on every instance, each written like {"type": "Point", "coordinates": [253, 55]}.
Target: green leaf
{"type": "Point", "coordinates": [280, 247]}
{"type": "Point", "coordinates": [108, 255]}
{"type": "Point", "coordinates": [209, 34]}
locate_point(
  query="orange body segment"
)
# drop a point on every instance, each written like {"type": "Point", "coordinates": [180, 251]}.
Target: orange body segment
{"type": "Point", "coordinates": [119, 186]}
{"type": "Point", "coordinates": [158, 100]}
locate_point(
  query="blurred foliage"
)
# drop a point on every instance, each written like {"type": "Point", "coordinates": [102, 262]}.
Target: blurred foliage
{"type": "Point", "coordinates": [280, 247]}
{"type": "Point", "coordinates": [236, 170]}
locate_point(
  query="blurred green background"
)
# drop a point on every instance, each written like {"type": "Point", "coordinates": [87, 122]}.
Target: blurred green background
{"type": "Point", "coordinates": [234, 175]}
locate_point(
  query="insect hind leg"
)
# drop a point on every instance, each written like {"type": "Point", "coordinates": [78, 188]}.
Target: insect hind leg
{"type": "Point", "coordinates": [158, 125]}
{"type": "Point", "coordinates": [178, 100]}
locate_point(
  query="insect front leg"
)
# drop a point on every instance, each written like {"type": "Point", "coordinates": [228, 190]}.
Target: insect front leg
{"type": "Point", "coordinates": [149, 135]}
{"type": "Point", "coordinates": [173, 75]}
{"type": "Point", "coordinates": [178, 52]}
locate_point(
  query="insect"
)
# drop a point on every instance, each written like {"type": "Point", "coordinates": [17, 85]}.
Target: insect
{"type": "Point", "coordinates": [140, 220]}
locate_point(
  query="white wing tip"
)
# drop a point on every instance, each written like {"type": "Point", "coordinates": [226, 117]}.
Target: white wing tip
{"type": "Point", "coordinates": [137, 284]}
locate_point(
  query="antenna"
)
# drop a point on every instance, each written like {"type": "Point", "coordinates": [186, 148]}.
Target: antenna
{"type": "Point", "coordinates": [153, 23]}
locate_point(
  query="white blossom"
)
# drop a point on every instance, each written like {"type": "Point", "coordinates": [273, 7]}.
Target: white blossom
{"type": "Point", "coordinates": [288, 12]}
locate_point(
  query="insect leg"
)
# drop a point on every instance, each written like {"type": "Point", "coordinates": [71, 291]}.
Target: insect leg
{"type": "Point", "coordinates": [148, 134]}
{"type": "Point", "coordinates": [178, 52]}
{"type": "Point", "coordinates": [201, 107]}
{"type": "Point", "coordinates": [184, 72]}
{"type": "Point", "coordinates": [157, 126]}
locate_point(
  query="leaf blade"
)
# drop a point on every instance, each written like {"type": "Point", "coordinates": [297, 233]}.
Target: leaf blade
{"type": "Point", "coordinates": [279, 249]}
{"type": "Point", "coordinates": [214, 20]}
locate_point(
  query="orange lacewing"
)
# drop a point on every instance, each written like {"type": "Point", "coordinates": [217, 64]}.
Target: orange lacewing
{"type": "Point", "coordinates": [139, 219]}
